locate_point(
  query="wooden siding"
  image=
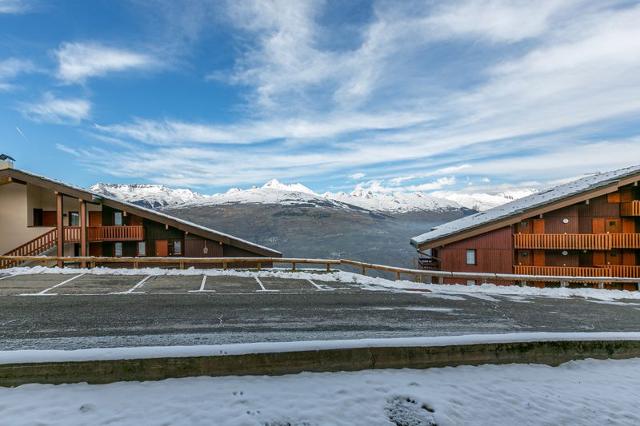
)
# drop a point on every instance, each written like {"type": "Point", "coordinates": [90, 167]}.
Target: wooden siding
{"type": "Point", "coordinates": [494, 252]}
{"type": "Point", "coordinates": [194, 246]}
{"type": "Point", "coordinates": [556, 258]}
{"type": "Point", "coordinates": [553, 221]}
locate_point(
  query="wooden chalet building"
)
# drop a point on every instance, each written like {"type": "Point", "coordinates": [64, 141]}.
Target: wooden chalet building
{"type": "Point", "coordinates": [589, 227]}
{"type": "Point", "coordinates": [40, 216]}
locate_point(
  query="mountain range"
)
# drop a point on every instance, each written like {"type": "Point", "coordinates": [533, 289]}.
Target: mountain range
{"type": "Point", "coordinates": [362, 225]}
{"type": "Point", "coordinates": [275, 192]}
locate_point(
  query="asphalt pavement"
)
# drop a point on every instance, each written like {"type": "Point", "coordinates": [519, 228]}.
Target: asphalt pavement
{"type": "Point", "coordinates": [68, 311]}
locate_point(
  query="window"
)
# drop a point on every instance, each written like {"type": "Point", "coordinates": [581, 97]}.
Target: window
{"type": "Point", "coordinates": [74, 219]}
{"type": "Point", "coordinates": [117, 218]}
{"type": "Point", "coordinates": [471, 257]}
{"type": "Point", "coordinates": [117, 249]}
{"type": "Point", "coordinates": [142, 248]}
{"type": "Point", "coordinates": [175, 248]}
{"type": "Point", "coordinates": [471, 282]}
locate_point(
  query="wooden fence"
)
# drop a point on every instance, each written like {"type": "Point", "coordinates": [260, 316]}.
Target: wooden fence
{"type": "Point", "coordinates": [293, 263]}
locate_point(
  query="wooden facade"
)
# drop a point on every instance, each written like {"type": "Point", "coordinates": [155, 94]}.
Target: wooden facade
{"type": "Point", "coordinates": [79, 223]}
{"type": "Point", "coordinates": [594, 236]}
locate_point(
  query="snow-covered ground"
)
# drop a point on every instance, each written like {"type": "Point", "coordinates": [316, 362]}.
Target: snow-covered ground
{"type": "Point", "coordinates": [369, 283]}
{"type": "Point", "coordinates": [586, 392]}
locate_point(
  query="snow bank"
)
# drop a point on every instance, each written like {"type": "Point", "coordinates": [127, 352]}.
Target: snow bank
{"type": "Point", "coordinates": [140, 352]}
{"type": "Point", "coordinates": [573, 393]}
{"type": "Point", "coordinates": [369, 283]}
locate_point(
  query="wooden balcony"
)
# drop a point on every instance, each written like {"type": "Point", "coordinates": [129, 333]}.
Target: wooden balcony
{"type": "Point", "coordinates": [631, 241]}
{"type": "Point", "coordinates": [563, 241]}
{"type": "Point", "coordinates": [630, 208]}
{"type": "Point", "coordinates": [624, 271]}
{"type": "Point", "coordinates": [105, 233]}
{"type": "Point", "coordinates": [564, 271]}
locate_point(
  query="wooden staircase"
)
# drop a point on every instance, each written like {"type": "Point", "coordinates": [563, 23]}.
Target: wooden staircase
{"type": "Point", "coordinates": [34, 247]}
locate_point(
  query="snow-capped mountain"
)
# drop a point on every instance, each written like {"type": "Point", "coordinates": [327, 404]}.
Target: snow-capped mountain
{"type": "Point", "coordinates": [484, 201]}
{"type": "Point", "coordinates": [156, 196]}
{"type": "Point", "coordinates": [276, 192]}
{"type": "Point", "coordinates": [395, 202]}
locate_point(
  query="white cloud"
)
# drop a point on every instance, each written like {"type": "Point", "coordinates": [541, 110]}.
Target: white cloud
{"type": "Point", "coordinates": [495, 20]}
{"type": "Point", "coordinates": [357, 176]}
{"type": "Point", "coordinates": [79, 61]}
{"type": "Point", "coordinates": [12, 68]}
{"type": "Point", "coordinates": [14, 6]}
{"type": "Point", "coordinates": [57, 110]}
{"type": "Point", "coordinates": [455, 84]}
{"type": "Point", "coordinates": [431, 186]}
{"type": "Point", "coordinates": [67, 149]}
{"type": "Point", "coordinates": [172, 131]}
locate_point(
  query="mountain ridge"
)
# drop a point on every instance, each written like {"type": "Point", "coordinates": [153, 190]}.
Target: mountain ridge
{"type": "Point", "coordinates": [276, 192]}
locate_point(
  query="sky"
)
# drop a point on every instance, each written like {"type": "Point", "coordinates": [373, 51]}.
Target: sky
{"type": "Point", "coordinates": [426, 96]}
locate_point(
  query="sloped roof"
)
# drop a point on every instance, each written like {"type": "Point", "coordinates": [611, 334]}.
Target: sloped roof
{"type": "Point", "coordinates": [514, 210]}
{"type": "Point", "coordinates": [175, 222]}
{"type": "Point", "coordinates": [6, 157]}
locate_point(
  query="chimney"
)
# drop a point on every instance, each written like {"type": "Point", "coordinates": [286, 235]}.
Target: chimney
{"type": "Point", "coordinates": [6, 161]}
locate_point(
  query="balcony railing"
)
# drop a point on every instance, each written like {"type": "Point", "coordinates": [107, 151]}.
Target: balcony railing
{"type": "Point", "coordinates": [624, 271]}
{"type": "Point", "coordinates": [105, 233]}
{"type": "Point", "coordinates": [631, 241]}
{"type": "Point", "coordinates": [631, 208]}
{"type": "Point", "coordinates": [563, 241]}
{"type": "Point", "coordinates": [565, 271]}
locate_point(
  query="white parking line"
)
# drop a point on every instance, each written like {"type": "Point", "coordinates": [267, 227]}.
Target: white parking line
{"type": "Point", "coordinates": [262, 287]}
{"type": "Point", "coordinates": [44, 292]}
{"type": "Point", "coordinates": [319, 287]}
{"type": "Point", "coordinates": [8, 276]}
{"type": "Point", "coordinates": [135, 287]}
{"type": "Point", "coordinates": [201, 289]}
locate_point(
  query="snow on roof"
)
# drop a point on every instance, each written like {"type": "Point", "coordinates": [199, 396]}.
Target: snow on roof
{"type": "Point", "coordinates": [154, 212]}
{"type": "Point", "coordinates": [525, 204]}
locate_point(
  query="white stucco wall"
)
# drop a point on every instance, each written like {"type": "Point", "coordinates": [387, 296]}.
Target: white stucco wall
{"type": "Point", "coordinates": [45, 199]}
{"type": "Point", "coordinates": [16, 214]}
{"type": "Point", "coordinates": [14, 230]}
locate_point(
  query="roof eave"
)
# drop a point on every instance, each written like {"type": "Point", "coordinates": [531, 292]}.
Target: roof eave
{"type": "Point", "coordinates": [140, 211]}
{"type": "Point", "coordinates": [510, 220]}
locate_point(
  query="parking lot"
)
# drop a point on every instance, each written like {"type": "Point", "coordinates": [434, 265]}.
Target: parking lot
{"type": "Point", "coordinates": [75, 310]}
{"type": "Point", "coordinates": [96, 285]}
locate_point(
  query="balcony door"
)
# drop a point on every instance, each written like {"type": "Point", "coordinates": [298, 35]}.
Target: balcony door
{"type": "Point", "coordinates": [538, 226]}
{"type": "Point", "coordinates": [613, 226]}
{"type": "Point", "coordinates": [162, 248]}
{"type": "Point", "coordinates": [95, 218]}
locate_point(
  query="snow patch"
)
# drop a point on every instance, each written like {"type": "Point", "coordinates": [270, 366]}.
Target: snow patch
{"type": "Point", "coordinates": [445, 291]}
{"type": "Point", "coordinates": [520, 394]}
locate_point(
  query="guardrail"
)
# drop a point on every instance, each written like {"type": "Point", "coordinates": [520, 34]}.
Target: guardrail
{"type": "Point", "coordinates": [361, 267]}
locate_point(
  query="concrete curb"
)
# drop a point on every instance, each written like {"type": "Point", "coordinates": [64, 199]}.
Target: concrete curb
{"type": "Point", "coordinates": [278, 363]}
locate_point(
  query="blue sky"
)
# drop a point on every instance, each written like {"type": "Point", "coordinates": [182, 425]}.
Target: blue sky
{"type": "Point", "coordinates": [406, 96]}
